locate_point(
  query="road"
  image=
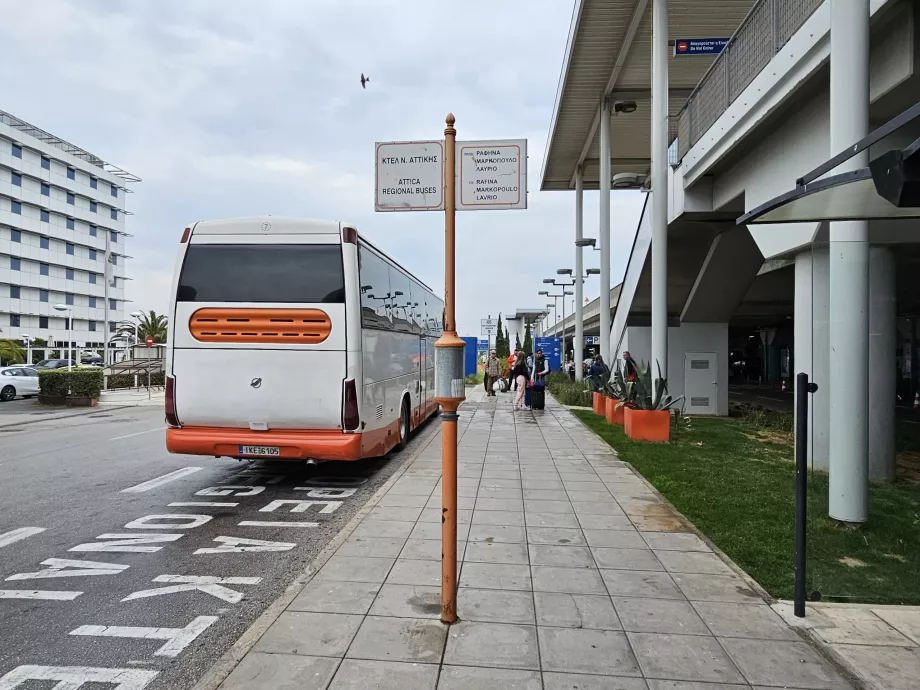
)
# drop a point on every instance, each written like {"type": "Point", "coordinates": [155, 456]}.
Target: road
{"type": "Point", "coordinates": [66, 483]}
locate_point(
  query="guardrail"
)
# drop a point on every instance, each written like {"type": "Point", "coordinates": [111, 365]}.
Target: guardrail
{"type": "Point", "coordinates": [766, 29]}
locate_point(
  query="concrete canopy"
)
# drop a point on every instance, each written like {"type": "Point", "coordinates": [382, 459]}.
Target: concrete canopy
{"type": "Point", "coordinates": [608, 55]}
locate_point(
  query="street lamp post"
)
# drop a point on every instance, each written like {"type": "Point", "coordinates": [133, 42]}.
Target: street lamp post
{"type": "Point", "coordinates": [28, 340]}
{"type": "Point", "coordinates": [563, 285]}
{"type": "Point", "coordinates": [69, 311]}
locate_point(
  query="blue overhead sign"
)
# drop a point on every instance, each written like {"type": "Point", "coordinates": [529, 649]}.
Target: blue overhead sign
{"type": "Point", "coordinates": [699, 46]}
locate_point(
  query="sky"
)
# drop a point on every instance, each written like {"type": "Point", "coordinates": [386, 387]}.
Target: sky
{"type": "Point", "coordinates": [232, 108]}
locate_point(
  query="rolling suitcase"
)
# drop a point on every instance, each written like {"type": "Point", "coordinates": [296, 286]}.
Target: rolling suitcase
{"type": "Point", "coordinates": [538, 396]}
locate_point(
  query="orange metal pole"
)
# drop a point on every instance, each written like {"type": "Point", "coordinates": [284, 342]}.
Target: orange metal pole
{"type": "Point", "coordinates": [449, 388]}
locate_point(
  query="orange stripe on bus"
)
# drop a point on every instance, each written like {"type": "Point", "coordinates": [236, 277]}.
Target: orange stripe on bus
{"type": "Point", "coordinates": [254, 325]}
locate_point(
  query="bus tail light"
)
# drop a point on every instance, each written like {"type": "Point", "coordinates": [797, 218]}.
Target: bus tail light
{"type": "Point", "coordinates": [350, 417]}
{"type": "Point", "coordinates": [185, 234]}
{"type": "Point", "coordinates": [171, 418]}
{"type": "Point", "coordinates": [349, 236]}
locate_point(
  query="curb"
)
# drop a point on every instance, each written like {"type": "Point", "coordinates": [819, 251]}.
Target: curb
{"type": "Point", "coordinates": [224, 666]}
{"type": "Point", "coordinates": [49, 418]}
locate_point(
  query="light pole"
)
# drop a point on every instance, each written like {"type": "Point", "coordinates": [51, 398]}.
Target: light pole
{"type": "Point", "coordinates": [563, 285]}
{"type": "Point", "coordinates": [579, 313]}
{"type": "Point", "coordinates": [69, 311]}
{"type": "Point", "coordinates": [28, 340]}
{"type": "Point", "coordinates": [136, 315]}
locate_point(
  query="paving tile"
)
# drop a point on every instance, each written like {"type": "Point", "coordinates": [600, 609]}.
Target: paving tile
{"type": "Point", "coordinates": [693, 562]}
{"type": "Point", "coordinates": [411, 572]}
{"type": "Point", "coordinates": [605, 522]}
{"type": "Point", "coordinates": [359, 674]}
{"type": "Point", "coordinates": [602, 652]}
{"type": "Point", "coordinates": [496, 552]}
{"type": "Point", "coordinates": [575, 611]}
{"type": "Point", "coordinates": [500, 493]}
{"type": "Point", "coordinates": [492, 645]}
{"type": "Point", "coordinates": [616, 539]}
{"type": "Point", "coordinates": [542, 484]}
{"type": "Point", "coordinates": [402, 501]}
{"type": "Point", "coordinates": [399, 639]}
{"type": "Point", "coordinates": [356, 569]}
{"type": "Point", "coordinates": [567, 520]}
{"type": "Point", "coordinates": [659, 616]}
{"type": "Point", "coordinates": [545, 495]}
{"type": "Point", "coordinates": [497, 533]}
{"type": "Point", "coordinates": [640, 583]}
{"type": "Point", "coordinates": [691, 685]}
{"type": "Point", "coordinates": [734, 620]}
{"type": "Point", "coordinates": [514, 505]}
{"type": "Point", "coordinates": [494, 576]}
{"type": "Point", "coordinates": [498, 483]}
{"type": "Point", "coordinates": [281, 672]}
{"type": "Point", "coordinates": [770, 663]}
{"type": "Point", "coordinates": [371, 547]}
{"type": "Point", "coordinates": [598, 495]}
{"type": "Point", "coordinates": [495, 605]}
{"type": "Point", "coordinates": [626, 559]}
{"type": "Point", "coordinates": [555, 535]}
{"type": "Point", "coordinates": [473, 678]}
{"type": "Point", "coordinates": [427, 549]}
{"type": "Point", "coordinates": [562, 556]}
{"type": "Point", "coordinates": [567, 580]}
{"type": "Point", "coordinates": [674, 541]}
{"type": "Point", "coordinates": [577, 681]}
{"type": "Point", "coordinates": [309, 634]}
{"type": "Point", "coordinates": [540, 506]}
{"type": "Point", "coordinates": [381, 528]}
{"type": "Point", "coordinates": [659, 523]}
{"type": "Point", "coordinates": [891, 668]}
{"type": "Point", "coordinates": [432, 530]}
{"type": "Point", "coordinates": [683, 657]}
{"type": "Point", "coordinates": [327, 596]}
{"type": "Point", "coordinates": [498, 517]}
{"type": "Point", "coordinates": [408, 601]}
{"type": "Point", "coordinates": [906, 621]}
{"type": "Point", "coordinates": [859, 626]}
{"type": "Point", "coordinates": [716, 588]}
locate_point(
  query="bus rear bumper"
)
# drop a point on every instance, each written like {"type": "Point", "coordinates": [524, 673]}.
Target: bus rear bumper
{"type": "Point", "coordinates": [291, 444]}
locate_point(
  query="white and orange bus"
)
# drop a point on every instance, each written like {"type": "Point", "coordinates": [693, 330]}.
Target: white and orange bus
{"type": "Point", "coordinates": [295, 339]}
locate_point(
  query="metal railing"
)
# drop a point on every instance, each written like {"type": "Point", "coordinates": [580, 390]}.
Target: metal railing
{"type": "Point", "coordinates": [766, 29]}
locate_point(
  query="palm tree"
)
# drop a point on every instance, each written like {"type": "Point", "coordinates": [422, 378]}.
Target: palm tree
{"type": "Point", "coordinates": [11, 352]}
{"type": "Point", "coordinates": [153, 324]}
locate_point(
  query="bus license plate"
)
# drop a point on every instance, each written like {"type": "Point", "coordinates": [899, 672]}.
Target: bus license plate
{"type": "Point", "coordinates": [260, 450]}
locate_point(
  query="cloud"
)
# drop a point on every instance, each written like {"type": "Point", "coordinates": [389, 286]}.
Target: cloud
{"type": "Point", "coordinates": [228, 109]}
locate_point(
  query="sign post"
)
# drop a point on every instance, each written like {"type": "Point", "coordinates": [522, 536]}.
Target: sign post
{"type": "Point", "coordinates": [422, 176]}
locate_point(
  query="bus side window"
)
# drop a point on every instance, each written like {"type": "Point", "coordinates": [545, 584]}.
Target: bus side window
{"type": "Point", "coordinates": [375, 290]}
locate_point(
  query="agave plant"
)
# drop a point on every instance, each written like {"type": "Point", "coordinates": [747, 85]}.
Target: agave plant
{"type": "Point", "coordinates": [616, 385]}
{"type": "Point", "coordinates": [642, 395]}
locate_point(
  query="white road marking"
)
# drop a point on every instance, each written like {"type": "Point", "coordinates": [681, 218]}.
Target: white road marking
{"type": "Point", "coordinates": [200, 504]}
{"type": "Point", "coordinates": [240, 545]}
{"type": "Point", "coordinates": [326, 492]}
{"type": "Point", "coordinates": [267, 523]}
{"type": "Point", "coordinates": [227, 490]}
{"type": "Point", "coordinates": [160, 481]}
{"type": "Point", "coordinates": [75, 677]}
{"type": "Point", "coordinates": [8, 538]}
{"type": "Point", "coordinates": [62, 567]}
{"type": "Point", "coordinates": [302, 506]}
{"type": "Point", "coordinates": [47, 594]}
{"type": "Point", "coordinates": [157, 521]}
{"type": "Point", "coordinates": [191, 583]}
{"type": "Point", "coordinates": [177, 639]}
{"type": "Point", "coordinates": [139, 433]}
{"type": "Point", "coordinates": [127, 543]}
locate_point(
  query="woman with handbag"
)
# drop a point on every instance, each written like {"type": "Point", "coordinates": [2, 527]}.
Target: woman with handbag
{"type": "Point", "coordinates": [519, 374]}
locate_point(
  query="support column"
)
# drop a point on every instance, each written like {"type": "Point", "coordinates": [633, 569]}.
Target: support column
{"type": "Point", "coordinates": [604, 234]}
{"type": "Point", "coordinates": [579, 343]}
{"type": "Point", "coordinates": [883, 383]}
{"type": "Point", "coordinates": [659, 153]}
{"type": "Point", "coordinates": [849, 272]}
{"type": "Point", "coordinates": [812, 347]}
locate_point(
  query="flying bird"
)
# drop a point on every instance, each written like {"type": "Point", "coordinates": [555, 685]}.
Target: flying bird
{"type": "Point", "coordinates": [364, 81]}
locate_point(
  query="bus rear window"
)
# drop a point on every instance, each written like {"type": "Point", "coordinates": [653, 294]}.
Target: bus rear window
{"type": "Point", "coordinates": [288, 273]}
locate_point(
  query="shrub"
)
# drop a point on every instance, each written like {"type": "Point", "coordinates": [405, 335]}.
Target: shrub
{"type": "Point", "coordinates": [474, 379]}
{"type": "Point", "coordinates": [53, 382]}
{"type": "Point", "coordinates": [567, 391]}
{"type": "Point", "coordinates": [85, 383]}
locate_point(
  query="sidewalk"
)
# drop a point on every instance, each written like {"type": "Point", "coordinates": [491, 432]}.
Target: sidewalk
{"type": "Point", "coordinates": [575, 574]}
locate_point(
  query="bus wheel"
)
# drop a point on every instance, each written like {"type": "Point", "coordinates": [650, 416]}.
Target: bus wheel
{"type": "Point", "coordinates": [403, 427]}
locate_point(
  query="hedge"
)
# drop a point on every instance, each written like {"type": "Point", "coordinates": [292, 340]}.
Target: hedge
{"type": "Point", "coordinates": [127, 380]}
{"type": "Point", "coordinates": [79, 383]}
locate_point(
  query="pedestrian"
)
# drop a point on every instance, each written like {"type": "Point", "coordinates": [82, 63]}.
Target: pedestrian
{"type": "Point", "coordinates": [540, 367]}
{"type": "Point", "coordinates": [519, 374]}
{"type": "Point", "coordinates": [596, 371]}
{"type": "Point", "coordinates": [511, 359]}
{"type": "Point", "coordinates": [630, 369]}
{"type": "Point", "coordinates": [492, 372]}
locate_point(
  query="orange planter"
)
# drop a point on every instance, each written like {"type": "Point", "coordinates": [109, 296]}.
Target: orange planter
{"type": "Point", "coordinates": [614, 414]}
{"type": "Point", "coordinates": [600, 404]}
{"type": "Point", "coordinates": [648, 425]}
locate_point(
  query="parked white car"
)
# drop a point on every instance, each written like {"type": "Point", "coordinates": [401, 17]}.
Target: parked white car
{"type": "Point", "coordinates": [15, 381]}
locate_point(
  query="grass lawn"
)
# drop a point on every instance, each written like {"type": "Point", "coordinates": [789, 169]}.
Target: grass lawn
{"type": "Point", "coordinates": [735, 480]}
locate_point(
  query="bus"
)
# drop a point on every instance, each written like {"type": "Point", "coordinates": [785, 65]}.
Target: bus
{"type": "Point", "coordinates": [295, 339]}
